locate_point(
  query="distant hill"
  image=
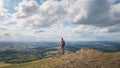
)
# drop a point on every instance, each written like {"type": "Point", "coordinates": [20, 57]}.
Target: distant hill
{"type": "Point", "coordinates": [84, 58]}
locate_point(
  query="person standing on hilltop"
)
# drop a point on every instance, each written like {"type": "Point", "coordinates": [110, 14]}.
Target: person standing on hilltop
{"type": "Point", "coordinates": [62, 45]}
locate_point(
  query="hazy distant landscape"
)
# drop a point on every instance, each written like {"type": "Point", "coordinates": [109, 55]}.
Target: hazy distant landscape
{"type": "Point", "coordinates": [20, 52]}
{"type": "Point", "coordinates": [31, 32]}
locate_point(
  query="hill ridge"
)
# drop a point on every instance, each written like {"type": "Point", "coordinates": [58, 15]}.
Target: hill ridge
{"type": "Point", "coordinates": [84, 58]}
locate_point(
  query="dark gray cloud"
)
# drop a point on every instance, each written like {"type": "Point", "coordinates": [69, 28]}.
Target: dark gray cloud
{"type": "Point", "coordinates": [38, 31]}
{"type": "Point", "coordinates": [3, 29]}
{"type": "Point", "coordinates": [115, 28]}
{"type": "Point", "coordinates": [98, 13]}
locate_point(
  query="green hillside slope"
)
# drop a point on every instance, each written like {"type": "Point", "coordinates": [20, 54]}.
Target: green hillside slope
{"type": "Point", "coordinates": [84, 58]}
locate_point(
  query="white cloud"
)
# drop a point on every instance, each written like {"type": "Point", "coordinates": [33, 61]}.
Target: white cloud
{"type": "Point", "coordinates": [90, 29]}
{"type": "Point", "coordinates": [32, 15]}
{"type": "Point", "coordinates": [2, 9]}
{"type": "Point", "coordinates": [87, 12]}
{"type": "Point", "coordinates": [27, 7]}
{"type": "Point", "coordinates": [46, 20]}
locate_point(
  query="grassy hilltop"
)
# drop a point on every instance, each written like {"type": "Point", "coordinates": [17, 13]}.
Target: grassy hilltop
{"type": "Point", "coordinates": [84, 58]}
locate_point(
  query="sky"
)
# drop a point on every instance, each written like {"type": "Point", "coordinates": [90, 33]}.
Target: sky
{"type": "Point", "coordinates": [50, 20]}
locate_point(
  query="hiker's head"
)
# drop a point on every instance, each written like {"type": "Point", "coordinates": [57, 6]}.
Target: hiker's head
{"type": "Point", "coordinates": [61, 38]}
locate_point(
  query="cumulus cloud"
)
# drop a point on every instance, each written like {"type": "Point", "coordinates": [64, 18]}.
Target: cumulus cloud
{"type": "Point", "coordinates": [102, 14]}
{"type": "Point", "coordinates": [93, 12]}
{"type": "Point", "coordinates": [115, 14]}
{"type": "Point", "coordinates": [89, 29]}
{"type": "Point", "coordinates": [27, 8]}
{"type": "Point", "coordinates": [30, 14]}
{"type": "Point", "coordinates": [47, 18]}
{"type": "Point", "coordinates": [99, 13]}
{"type": "Point", "coordinates": [2, 9]}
